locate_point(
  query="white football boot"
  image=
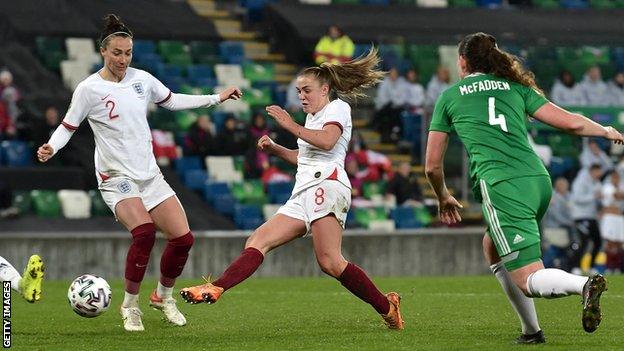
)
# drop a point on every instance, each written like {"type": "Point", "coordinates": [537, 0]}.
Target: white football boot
{"type": "Point", "coordinates": [168, 308]}
{"type": "Point", "coordinates": [132, 318]}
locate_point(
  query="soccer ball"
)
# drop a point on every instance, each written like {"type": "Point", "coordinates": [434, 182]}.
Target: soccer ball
{"type": "Point", "coordinates": [89, 295]}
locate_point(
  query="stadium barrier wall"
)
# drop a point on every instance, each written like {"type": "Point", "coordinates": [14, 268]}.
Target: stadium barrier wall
{"type": "Point", "coordinates": [439, 251]}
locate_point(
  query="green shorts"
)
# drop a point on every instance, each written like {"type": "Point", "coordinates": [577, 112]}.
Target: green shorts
{"type": "Point", "coordinates": [513, 209]}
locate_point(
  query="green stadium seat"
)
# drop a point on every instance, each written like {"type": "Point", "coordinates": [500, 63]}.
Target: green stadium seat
{"type": "Point", "coordinates": [52, 60]}
{"type": "Point", "coordinates": [184, 120]}
{"type": "Point", "coordinates": [256, 72]}
{"type": "Point", "coordinates": [567, 53]}
{"type": "Point", "coordinates": [258, 97]}
{"type": "Point", "coordinates": [352, 2]}
{"type": "Point", "coordinates": [239, 163]}
{"type": "Point", "coordinates": [22, 201]}
{"type": "Point", "coordinates": [46, 45]}
{"type": "Point", "coordinates": [46, 203]}
{"type": "Point", "coordinates": [364, 216]}
{"type": "Point", "coordinates": [209, 60]}
{"type": "Point", "coordinates": [546, 4]}
{"type": "Point", "coordinates": [462, 3]}
{"type": "Point", "coordinates": [595, 55]}
{"type": "Point", "coordinates": [422, 52]}
{"type": "Point", "coordinates": [540, 52]}
{"type": "Point", "coordinates": [203, 48]}
{"type": "Point", "coordinates": [577, 68]}
{"type": "Point", "coordinates": [170, 47]}
{"type": "Point", "coordinates": [181, 59]}
{"type": "Point", "coordinates": [603, 4]}
{"type": "Point", "coordinates": [370, 189]}
{"type": "Point", "coordinates": [250, 192]}
{"type": "Point", "coordinates": [98, 206]}
{"type": "Point", "coordinates": [426, 69]}
{"type": "Point", "coordinates": [546, 72]}
{"type": "Point", "coordinates": [162, 119]}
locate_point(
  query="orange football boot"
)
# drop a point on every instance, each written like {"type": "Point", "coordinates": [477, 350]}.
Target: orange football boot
{"type": "Point", "coordinates": [393, 318]}
{"type": "Point", "coordinates": [207, 293]}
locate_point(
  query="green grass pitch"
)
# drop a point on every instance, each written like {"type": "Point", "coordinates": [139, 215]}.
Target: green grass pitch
{"type": "Point", "coordinates": [441, 313]}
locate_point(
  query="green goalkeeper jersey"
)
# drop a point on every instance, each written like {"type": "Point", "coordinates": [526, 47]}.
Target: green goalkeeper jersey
{"type": "Point", "coordinates": [489, 113]}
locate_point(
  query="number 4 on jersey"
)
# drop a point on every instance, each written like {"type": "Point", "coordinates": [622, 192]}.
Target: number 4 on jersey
{"type": "Point", "coordinates": [494, 119]}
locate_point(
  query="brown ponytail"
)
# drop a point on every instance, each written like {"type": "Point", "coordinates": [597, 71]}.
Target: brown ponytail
{"type": "Point", "coordinates": [349, 78]}
{"type": "Point", "coordinates": [113, 27]}
{"type": "Point", "coordinates": [483, 55]}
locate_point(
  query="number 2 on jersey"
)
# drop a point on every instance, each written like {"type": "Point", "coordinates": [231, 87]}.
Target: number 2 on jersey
{"type": "Point", "coordinates": [112, 107]}
{"type": "Point", "coordinates": [494, 119]}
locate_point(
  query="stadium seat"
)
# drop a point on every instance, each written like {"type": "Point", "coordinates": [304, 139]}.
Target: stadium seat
{"type": "Point", "coordinates": [427, 3]}
{"type": "Point", "coordinates": [195, 179]}
{"type": "Point", "coordinates": [269, 210]}
{"type": "Point", "coordinates": [75, 204]}
{"type": "Point", "coordinates": [369, 189]}
{"type": "Point", "coordinates": [462, 3]}
{"type": "Point", "coordinates": [232, 51]}
{"type": "Point", "coordinates": [237, 107]}
{"type": "Point", "coordinates": [98, 206]}
{"type": "Point", "coordinates": [279, 192]}
{"type": "Point", "coordinates": [82, 50]}
{"type": "Point", "coordinates": [489, 3]}
{"type": "Point", "coordinates": [257, 98]}
{"type": "Point", "coordinates": [574, 4]}
{"type": "Point", "coordinates": [247, 217]}
{"type": "Point", "coordinates": [228, 75]}
{"type": "Point", "coordinates": [184, 119]}
{"type": "Point", "coordinates": [22, 201]}
{"type": "Point", "coordinates": [256, 72]}
{"type": "Point", "coordinates": [167, 48]}
{"type": "Point", "coordinates": [213, 189]}
{"type": "Point", "coordinates": [74, 72]}
{"type": "Point", "coordinates": [187, 163]}
{"type": "Point", "coordinates": [16, 153]}
{"type": "Point", "coordinates": [46, 203]}
{"type": "Point", "coordinates": [405, 217]}
{"type": "Point", "coordinates": [221, 169]}
{"type": "Point", "coordinates": [363, 216]}
{"type": "Point", "coordinates": [546, 4]}
{"type": "Point", "coordinates": [142, 47]}
{"type": "Point", "coordinates": [382, 225]}
{"type": "Point", "coordinates": [201, 49]}
{"type": "Point", "coordinates": [249, 192]}
{"type": "Point", "coordinates": [195, 72]}
{"type": "Point", "coordinates": [182, 59]}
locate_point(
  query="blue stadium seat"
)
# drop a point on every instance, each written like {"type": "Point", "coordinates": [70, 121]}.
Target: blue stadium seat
{"type": "Point", "coordinates": [247, 217]}
{"type": "Point", "coordinates": [16, 153]}
{"type": "Point", "coordinates": [375, 2]}
{"type": "Point", "coordinates": [490, 3]}
{"type": "Point", "coordinates": [279, 192]}
{"type": "Point", "coordinates": [166, 70]}
{"type": "Point", "coordinates": [232, 51]}
{"type": "Point", "coordinates": [199, 71]}
{"type": "Point", "coordinates": [195, 178]}
{"type": "Point", "coordinates": [574, 4]}
{"type": "Point", "coordinates": [351, 222]}
{"type": "Point", "coordinates": [361, 49]}
{"type": "Point", "coordinates": [224, 204]}
{"type": "Point", "coordinates": [174, 83]}
{"type": "Point", "coordinates": [186, 163]}
{"type": "Point", "coordinates": [218, 118]}
{"type": "Point", "coordinates": [149, 62]}
{"type": "Point", "coordinates": [405, 218]}
{"type": "Point", "coordinates": [209, 83]}
{"type": "Point", "coordinates": [142, 47]}
{"type": "Point", "coordinates": [214, 189]}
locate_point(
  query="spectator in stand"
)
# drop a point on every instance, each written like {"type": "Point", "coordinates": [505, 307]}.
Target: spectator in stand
{"type": "Point", "coordinates": [558, 225]}
{"type": "Point", "coordinates": [233, 138]}
{"type": "Point", "coordinates": [620, 167]}
{"type": "Point", "coordinates": [612, 221]}
{"type": "Point", "coordinates": [586, 192]}
{"type": "Point", "coordinates": [9, 95]}
{"type": "Point", "coordinates": [594, 88]}
{"type": "Point", "coordinates": [566, 92]}
{"type": "Point", "coordinates": [616, 90]}
{"type": "Point", "coordinates": [415, 98]}
{"type": "Point", "coordinates": [593, 154]}
{"type": "Point", "coordinates": [259, 126]}
{"type": "Point", "coordinates": [389, 103]}
{"type": "Point", "coordinates": [404, 187]}
{"type": "Point", "coordinates": [7, 129]}
{"type": "Point", "coordinates": [42, 129]}
{"type": "Point", "coordinates": [272, 174]}
{"type": "Point", "coordinates": [334, 47]}
{"type": "Point", "coordinates": [376, 165]}
{"type": "Point", "coordinates": [438, 83]}
{"type": "Point", "coordinates": [201, 138]}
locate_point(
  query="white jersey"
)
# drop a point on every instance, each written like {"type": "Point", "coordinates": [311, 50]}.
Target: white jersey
{"type": "Point", "coordinates": [117, 113]}
{"type": "Point", "coordinates": [315, 165]}
{"type": "Point", "coordinates": [608, 195]}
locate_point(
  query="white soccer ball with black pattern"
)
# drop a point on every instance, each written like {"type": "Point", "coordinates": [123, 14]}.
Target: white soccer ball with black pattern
{"type": "Point", "coordinates": [89, 295]}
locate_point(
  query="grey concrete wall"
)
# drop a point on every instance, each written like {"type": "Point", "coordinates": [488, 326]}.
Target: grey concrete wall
{"type": "Point", "coordinates": [401, 253]}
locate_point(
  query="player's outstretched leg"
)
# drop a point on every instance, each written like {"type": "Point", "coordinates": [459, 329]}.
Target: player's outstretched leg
{"type": "Point", "coordinates": [172, 263]}
{"type": "Point", "coordinates": [28, 285]}
{"type": "Point", "coordinates": [143, 238]}
{"type": "Point", "coordinates": [240, 269]}
{"type": "Point", "coordinates": [552, 283]}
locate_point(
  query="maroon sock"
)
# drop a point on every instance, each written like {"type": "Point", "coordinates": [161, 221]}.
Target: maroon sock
{"type": "Point", "coordinates": [359, 284]}
{"type": "Point", "coordinates": [143, 238]}
{"type": "Point", "coordinates": [242, 268]}
{"type": "Point", "coordinates": [174, 258]}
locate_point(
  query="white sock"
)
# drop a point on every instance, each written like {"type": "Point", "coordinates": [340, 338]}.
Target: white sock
{"type": "Point", "coordinates": [552, 283]}
{"type": "Point", "coordinates": [524, 306]}
{"type": "Point", "coordinates": [164, 292]}
{"type": "Point", "coordinates": [130, 300]}
{"type": "Point", "coordinates": [8, 273]}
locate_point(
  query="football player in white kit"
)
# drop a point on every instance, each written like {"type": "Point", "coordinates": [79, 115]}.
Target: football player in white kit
{"type": "Point", "coordinates": [115, 101]}
{"type": "Point", "coordinates": [612, 221]}
{"type": "Point", "coordinates": [322, 194]}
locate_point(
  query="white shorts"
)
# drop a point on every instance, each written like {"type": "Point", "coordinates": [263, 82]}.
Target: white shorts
{"type": "Point", "coordinates": [612, 227]}
{"type": "Point", "coordinates": [152, 191]}
{"type": "Point", "coordinates": [329, 196]}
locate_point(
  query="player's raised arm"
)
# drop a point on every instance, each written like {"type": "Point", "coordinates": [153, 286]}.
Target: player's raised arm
{"type": "Point", "coordinates": [265, 143]}
{"type": "Point", "coordinates": [575, 123]}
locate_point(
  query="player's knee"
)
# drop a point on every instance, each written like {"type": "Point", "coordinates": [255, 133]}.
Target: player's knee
{"type": "Point", "coordinates": [255, 241]}
{"type": "Point", "coordinates": [329, 264]}
{"type": "Point", "coordinates": [183, 243]}
{"type": "Point", "coordinates": [144, 237]}
{"type": "Point", "coordinates": [489, 250]}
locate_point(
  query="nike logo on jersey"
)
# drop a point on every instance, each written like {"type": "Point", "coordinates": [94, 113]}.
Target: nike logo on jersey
{"type": "Point", "coordinates": [104, 98]}
{"type": "Point", "coordinates": [518, 239]}
{"type": "Point", "coordinates": [318, 210]}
